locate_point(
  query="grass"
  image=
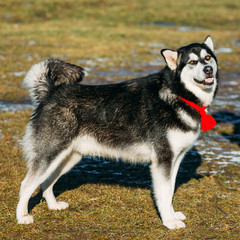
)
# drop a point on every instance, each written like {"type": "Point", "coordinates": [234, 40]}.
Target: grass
{"type": "Point", "coordinates": [34, 30]}
{"type": "Point", "coordinates": [103, 211]}
{"type": "Point", "coordinates": [120, 32]}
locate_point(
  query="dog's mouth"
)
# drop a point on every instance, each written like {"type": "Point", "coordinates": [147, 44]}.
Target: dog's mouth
{"type": "Point", "coordinates": [207, 81]}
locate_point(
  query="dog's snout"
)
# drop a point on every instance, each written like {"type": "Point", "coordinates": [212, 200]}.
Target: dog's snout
{"type": "Point", "coordinates": [208, 70]}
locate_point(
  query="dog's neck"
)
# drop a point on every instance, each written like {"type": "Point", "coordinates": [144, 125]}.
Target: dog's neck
{"type": "Point", "coordinates": [207, 121]}
{"type": "Point", "coordinates": [204, 95]}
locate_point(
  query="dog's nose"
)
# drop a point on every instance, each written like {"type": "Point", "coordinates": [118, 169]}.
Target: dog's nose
{"type": "Point", "coordinates": [208, 70]}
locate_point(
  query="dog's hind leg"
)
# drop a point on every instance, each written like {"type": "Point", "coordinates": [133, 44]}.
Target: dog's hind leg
{"type": "Point", "coordinates": [163, 193]}
{"type": "Point", "coordinates": [28, 186]}
{"type": "Point", "coordinates": [32, 181]}
{"type": "Point", "coordinates": [47, 185]}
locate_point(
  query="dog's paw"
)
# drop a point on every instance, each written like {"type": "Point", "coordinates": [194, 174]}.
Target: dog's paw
{"type": "Point", "coordinates": [180, 216]}
{"type": "Point", "coordinates": [59, 206]}
{"type": "Point", "coordinates": [27, 219]}
{"type": "Point", "coordinates": [174, 224]}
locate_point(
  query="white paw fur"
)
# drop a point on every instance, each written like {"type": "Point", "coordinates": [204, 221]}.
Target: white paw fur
{"type": "Point", "coordinates": [174, 224]}
{"type": "Point", "coordinates": [27, 219]}
{"type": "Point", "coordinates": [180, 216]}
{"type": "Point", "coordinates": [59, 206]}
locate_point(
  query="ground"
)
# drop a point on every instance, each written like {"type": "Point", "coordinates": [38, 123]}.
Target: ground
{"type": "Point", "coordinates": [115, 41]}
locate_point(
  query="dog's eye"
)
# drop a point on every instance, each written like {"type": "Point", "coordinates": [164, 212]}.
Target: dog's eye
{"type": "Point", "coordinates": [193, 62]}
{"type": "Point", "coordinates": [208, 57]}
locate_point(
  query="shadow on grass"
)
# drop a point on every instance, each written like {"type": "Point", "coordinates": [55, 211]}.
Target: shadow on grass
{"type": "Point", "coordinates": [98, 170]}
{"type": "Point", "coordinates": [232, 118]}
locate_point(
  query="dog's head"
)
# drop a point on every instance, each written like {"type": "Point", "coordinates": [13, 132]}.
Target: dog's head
{"type": "Point", "coordinates": [195, 66]}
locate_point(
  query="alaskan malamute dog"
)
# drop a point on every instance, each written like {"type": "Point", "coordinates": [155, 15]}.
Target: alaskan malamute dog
{"type": "Point", "coordinates": [150, 119]}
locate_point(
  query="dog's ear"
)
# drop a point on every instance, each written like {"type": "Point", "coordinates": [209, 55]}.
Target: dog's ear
{"type": "Point", "coordinates": [170, 57]}
{"type": "Point", "coordinates": [209, 42]}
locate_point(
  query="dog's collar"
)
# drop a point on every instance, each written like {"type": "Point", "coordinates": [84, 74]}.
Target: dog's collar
{"type": "Point", "coordinates": [207, 121]}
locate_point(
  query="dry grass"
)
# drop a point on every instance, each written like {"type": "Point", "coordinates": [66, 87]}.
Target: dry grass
{"type": "Point", "coordinates": [106, 211]}
{"type": "Point", "coordinates": [34, 30]}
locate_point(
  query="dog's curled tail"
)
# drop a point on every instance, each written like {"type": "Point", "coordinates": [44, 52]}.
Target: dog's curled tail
{"type": "Point", "coordinates": [49, 73]}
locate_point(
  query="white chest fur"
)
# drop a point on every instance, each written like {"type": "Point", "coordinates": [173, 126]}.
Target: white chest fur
{"type": "Point", "coordinates": [181, 141]}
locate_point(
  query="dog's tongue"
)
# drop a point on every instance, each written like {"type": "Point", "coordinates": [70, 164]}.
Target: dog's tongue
{"type": "Point", "coordinates": [209, 80]}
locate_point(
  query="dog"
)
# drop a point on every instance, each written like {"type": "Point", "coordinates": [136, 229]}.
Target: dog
{"type": "Point", "coordinates": [152, 119]}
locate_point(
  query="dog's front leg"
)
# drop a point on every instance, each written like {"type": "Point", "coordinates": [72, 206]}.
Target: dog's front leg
{"type": "Point", "coordinates": [163, 193]}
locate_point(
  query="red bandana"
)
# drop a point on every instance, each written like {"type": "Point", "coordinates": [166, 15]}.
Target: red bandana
{"type": "Point", "coordinates": [207, 121]}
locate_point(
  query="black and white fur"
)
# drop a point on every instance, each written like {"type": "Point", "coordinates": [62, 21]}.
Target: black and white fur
{"type": "Point", "coordinates": [141, 120]}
